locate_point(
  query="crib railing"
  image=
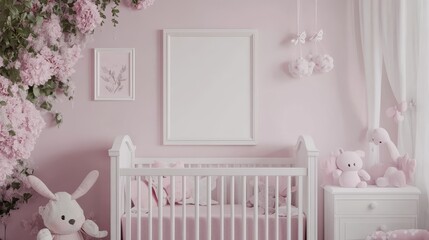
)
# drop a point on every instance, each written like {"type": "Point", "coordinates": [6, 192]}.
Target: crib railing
{"type": "Point", "coordinates": [233, 173]}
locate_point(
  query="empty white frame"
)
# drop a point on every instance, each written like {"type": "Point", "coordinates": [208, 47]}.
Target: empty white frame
{"type": "Point", "coordinates": [114, 74]}
{"type": "Point", "coordinates": [209, 87]}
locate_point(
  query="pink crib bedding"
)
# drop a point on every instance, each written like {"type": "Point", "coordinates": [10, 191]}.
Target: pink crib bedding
{"type": "Point", "coordinates": [215, 223]}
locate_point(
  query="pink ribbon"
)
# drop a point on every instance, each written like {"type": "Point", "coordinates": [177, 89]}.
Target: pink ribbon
{"type": "Point", "coordinates": [397, 112]}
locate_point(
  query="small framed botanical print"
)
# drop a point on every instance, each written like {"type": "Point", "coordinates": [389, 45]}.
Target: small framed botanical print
{"type": "Point", "coordinates": [114, 74]}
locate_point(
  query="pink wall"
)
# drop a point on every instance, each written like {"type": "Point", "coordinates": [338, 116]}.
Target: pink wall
{"type": "Point", "coordinates": [330, 107]}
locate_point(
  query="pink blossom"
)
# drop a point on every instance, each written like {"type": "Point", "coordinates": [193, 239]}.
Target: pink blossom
{"type": "Point", "coordinates": [87, 16]}
{"type": "Point", "coordinates": [70, 56]}
{"type": "Point", "coordinates": [22, 124]}
{"type": "Point", "coordinates": [51, 30]}
{"type": "Point", "coordinates": [6, 169]}
{"type": "Point", "coordinates": [35, 70]}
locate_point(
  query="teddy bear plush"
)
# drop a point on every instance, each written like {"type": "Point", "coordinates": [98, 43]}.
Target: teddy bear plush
{"type": "Point", "coordinates": [400, 170]}
{"type": "Point", "coordinates": [349, 169]}
{"type": "Point", "coordinates": [63, 217]}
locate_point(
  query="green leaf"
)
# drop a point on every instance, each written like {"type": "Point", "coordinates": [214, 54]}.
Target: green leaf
{"type": "Point", "coordinates": [2, 103]}
{"type": "Point", "coordinates": [46, 105]}
{"type": "Point", "coordinates": [12, 133]}
{"type": "Point", "coordinates": [39, 20]}
{"type": "Point", "coordinates": [16, 185]}
{"type": "Point", "coordinates": [36, 91]}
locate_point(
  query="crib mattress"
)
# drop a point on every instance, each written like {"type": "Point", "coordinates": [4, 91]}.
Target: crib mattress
{"type": "Point", "coordinates": [215, 223]}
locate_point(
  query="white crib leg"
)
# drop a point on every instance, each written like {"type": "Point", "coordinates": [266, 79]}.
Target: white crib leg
{"type": "Point", "coordinates": [150, 208]}
{"type": "Point", "coordinates": [266, 210]}
{"type": "Point", "coordinates": [197, 207]}
{"type": "Point", "coordinates": [172, 208]}
{"type": "Point", "coordinates": [160, 203]}
{"type": "Point", "coordinates": [139, 208]}
{"type": "Point", "coordinates": [277, 208]}
{"type": "Point", "coordinates": [222, 207]}
{"type": "Point", "coordinates": [184, 208]}
{"type": "Point", "coordinates": [289, 208]}
{"type": "Point", "coordinates": [209, 207]}
{"type": "Point", "coordinates": [128, 207]}
{"type": "Point", "coordinates": [255, 208]}
{"type": "Point", "coordinates": [300, 217]}
{"type": "Point", "coordinates": [244, 209]}
{"type": "Point", "coordinates": [232, 208]}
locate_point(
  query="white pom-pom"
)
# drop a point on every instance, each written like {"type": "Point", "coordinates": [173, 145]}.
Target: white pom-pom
{"type": "Point", "coordinates": [323, 63]}
{"type": "Point", "coordinates": [301, 68]}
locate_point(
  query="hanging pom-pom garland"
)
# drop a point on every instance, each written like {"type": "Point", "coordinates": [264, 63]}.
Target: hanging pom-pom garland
{"type": "Point", "coordinates": [323, 62]}
{"type": "Point", "coordinates": [300, 67]}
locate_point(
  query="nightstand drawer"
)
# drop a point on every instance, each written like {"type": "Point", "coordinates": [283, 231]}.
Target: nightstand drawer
{"type": "Point", "coordinates": [359, 228]}
{"type": "Point", "coordinates": [376, 206]}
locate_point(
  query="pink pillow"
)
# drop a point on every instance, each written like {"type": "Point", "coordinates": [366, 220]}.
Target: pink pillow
{"type": "Point", "coordinates": [144, 194]}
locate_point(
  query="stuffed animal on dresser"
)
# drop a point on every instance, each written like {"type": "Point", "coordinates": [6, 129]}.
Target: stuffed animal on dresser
{"type": "Point", "coordinates": [63, 217]}
{"type": "Point", "coordinates": [400, 170]}
{"type": "Point", "coordinates": [349, 169]}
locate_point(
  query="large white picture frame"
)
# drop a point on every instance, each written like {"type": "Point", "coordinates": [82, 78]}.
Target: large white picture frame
{"type": "Point", "coordinates": [209, 86]}
{"type": "Point", "coordinates": [114, 74]}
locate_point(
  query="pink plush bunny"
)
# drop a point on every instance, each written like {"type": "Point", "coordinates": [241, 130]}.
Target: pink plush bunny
{"type": "Point", "coordinates": [350, 172]}
{"type": "Point", "coordinates": [402, 168]}
{"type": "Point", "coordinates": [62, 216]}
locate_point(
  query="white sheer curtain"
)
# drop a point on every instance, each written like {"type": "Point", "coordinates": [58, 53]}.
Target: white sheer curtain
{"type": "Point", "coordinates": [404, 29]}
{"type": "Point", "coordinates": [422, 109]}
{"type": "Point", "coordinates": [394, 45]}
{"type": "Point", "coordinates": [370, 36]}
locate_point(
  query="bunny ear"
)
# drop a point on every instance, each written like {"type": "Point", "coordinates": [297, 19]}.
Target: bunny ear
{"type": "Point", "coordinates": [41, 188]}
{"type": "Point", "coordinates": [85, 185]}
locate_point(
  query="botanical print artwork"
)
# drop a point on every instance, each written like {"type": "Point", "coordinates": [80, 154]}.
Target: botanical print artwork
{"type": "Point", "coordinates": [114, 81]}
{"type": "Point", "coordinates": [114, 74]}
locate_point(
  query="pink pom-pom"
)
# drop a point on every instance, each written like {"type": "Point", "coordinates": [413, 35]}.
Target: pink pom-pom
{"type": "Point", "coordinates": [301, 68]}
{"type": "Point", "coordinates": [323, 63]}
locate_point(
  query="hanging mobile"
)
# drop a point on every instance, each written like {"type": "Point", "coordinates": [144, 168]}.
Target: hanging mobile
{"type": "Point", "coordinates": [300, 67]}
{"type": "Point", "coordinates": [323, 63]}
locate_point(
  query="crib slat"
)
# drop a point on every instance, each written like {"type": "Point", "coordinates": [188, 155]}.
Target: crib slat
{"type": "Point", "coordinates": [209, 207]}
{"type": "Point", "coordinates": [128, 207]}
{"type": "Point", "coordinates": [256, 207]}
{"type": "Point", "coordinates": [277, 208]}
{"type": "Point", "coordinates": [172, 208]}
{"type": "Point", "coordinates": [266, 209]}
{"type": "Point", "coordinates": [232, 208]}
{"type": "Point", "coordinates": [139, 208]}
{"type": "Point", "coordinates": [244, 209]}
{"type": "Point", "coordinates": [160, 203]}
{"type": "Point", "coordinates": [150, 208]}
{"type": "Point", "coordinates": [289, 208]}
{"type": "Point", "coordinates": [300, 217]}
{"type": "Point", "coordinates": [197, 207]}
{"type": "Point", "coordinates": [184, 207]}
{"type": "Point", "coordinates": [222, 207]}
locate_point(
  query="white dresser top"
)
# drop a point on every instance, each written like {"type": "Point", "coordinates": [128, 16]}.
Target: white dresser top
{"type": "Point", "coordinates": [372, 189]}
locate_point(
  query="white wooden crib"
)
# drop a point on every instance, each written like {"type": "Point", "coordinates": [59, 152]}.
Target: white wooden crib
{"type": "Point", "coordinates": [235, 181]}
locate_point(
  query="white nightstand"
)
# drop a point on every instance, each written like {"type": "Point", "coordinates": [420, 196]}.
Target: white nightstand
{"type": "Point", "coordinates": [354, 213]}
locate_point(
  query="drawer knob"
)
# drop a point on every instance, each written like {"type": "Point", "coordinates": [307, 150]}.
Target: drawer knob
{"type": "Point", "coordinates": [372, 205]}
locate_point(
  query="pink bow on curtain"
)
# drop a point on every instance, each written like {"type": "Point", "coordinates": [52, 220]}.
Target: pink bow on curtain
{"type": "Point", "coordinates": [397, 112]}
